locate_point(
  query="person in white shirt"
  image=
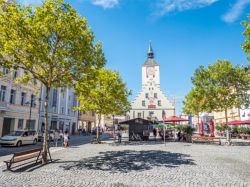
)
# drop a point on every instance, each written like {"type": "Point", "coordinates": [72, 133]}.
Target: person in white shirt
{"type": "Point", "coordinates": [56, 137]}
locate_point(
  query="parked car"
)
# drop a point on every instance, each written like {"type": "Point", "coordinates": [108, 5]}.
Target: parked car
{"type": "Point", "coordinates": [19, 137]}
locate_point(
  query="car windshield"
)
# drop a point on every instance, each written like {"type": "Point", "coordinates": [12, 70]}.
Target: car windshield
{"type": "Point", "coordinates": [16, 133]}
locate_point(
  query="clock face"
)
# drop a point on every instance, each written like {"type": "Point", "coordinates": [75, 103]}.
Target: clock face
{"type": "Point", "coordinates": [150, 71]}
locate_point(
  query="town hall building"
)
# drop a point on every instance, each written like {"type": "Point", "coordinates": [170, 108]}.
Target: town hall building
{"type": "Point", "coordinates": [151, 103]}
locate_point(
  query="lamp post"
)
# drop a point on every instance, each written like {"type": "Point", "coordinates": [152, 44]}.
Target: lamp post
{"type": "Point", "coordinates": [31, 104]}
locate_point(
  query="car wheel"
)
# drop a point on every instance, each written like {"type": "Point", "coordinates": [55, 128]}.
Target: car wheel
{"type": "Point", "coordinates": [19, 143]}
{"type": "Point", "coordinates": [35, 141]}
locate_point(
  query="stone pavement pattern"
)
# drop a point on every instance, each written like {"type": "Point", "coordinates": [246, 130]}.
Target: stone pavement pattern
{"type": "Point", "coordinates": [109, 164]}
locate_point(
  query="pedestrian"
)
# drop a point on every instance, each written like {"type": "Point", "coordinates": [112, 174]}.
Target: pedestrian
{"type": "Point", "coordinates": [66, 139]}
{"type": "Point", "coordinates": [179, 136]}
{"type": "Point", "coordinates": [56, 137]}
{"type": "Point", "coordinates": [119, 137]}
{"type": "Point", "coordinates": [155, 133]}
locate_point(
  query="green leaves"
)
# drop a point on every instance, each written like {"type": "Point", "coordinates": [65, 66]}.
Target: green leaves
{"type": "Point", "coordinates": [218, 87]}
{"type": "Point", "coordinates": [104, 92]}
{"type": "Point", "coordinates": [246, 44]}
{"type": "Point", "coordinates": [52, 42]}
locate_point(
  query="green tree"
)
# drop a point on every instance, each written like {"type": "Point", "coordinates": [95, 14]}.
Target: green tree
{"type": "Point", "coordinates": [106, 94]}
{"type": "Point", "coordinates": [193, 103]}
{"type": "Point", "coordinates": [221, 86]}
{"type": "Point", "coordinates": [53, 43]}
{"type": "Point", "coordinates": [246, 44]}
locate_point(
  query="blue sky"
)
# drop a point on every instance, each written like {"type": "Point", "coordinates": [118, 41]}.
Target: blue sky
{"type": "Point", "coordinates": [184, 35]}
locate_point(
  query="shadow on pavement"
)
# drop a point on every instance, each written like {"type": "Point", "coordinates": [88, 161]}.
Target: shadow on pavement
{"type": "Point", "coordinates": [128, 160]}
{"type": "Point", "coordinates": [136, 143]}
{"type": "Point", "coordinates": [75, 141]}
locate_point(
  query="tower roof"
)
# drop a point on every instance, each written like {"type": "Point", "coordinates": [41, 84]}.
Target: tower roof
{"type": "Point", "coordinates": [150, 57]}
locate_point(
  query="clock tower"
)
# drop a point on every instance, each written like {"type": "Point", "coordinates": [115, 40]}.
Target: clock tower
{"type": "Point", "coordinates": [151, 102]}
{"type": "Point", "coordinates": [150, 70]}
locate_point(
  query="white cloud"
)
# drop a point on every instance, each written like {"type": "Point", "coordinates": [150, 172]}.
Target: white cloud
{"type": "Point", "coordinates": [105, 3]}
{"type": "Point", "coordinates": [167, 6]}
{"type": "Point", "coordinates": [236, 10]}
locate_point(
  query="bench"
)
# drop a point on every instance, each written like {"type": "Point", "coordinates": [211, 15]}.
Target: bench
{"type": "Point", "coordinates": [206, 139]}
{"type": "Point", "coordinates": [24, 155]}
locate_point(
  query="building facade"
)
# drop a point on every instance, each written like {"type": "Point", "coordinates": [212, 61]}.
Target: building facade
{"type": "Point", "coordinates": [151, 102]}
{"type": "Point", "coordinates": [232, 114]}
{"type": "Point", "coordinates": [62, 115]}
{"type": "Point", "coordinates": [245, 113]}
{"type": "Point", "coordinates": [19, 103]}
{"type": "Point", "coordinates": [86, 120]}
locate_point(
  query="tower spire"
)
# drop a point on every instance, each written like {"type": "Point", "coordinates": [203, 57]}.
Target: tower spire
{"type": "Point", "coordinates": [150, 51]}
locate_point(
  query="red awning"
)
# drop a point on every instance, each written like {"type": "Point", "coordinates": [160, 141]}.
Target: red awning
{"type": "Point", "coordinates": [234, 122]}
{"type": "Point", "coordinates": [246, 122]}
{"type": "Point", "coordinates": [174, 119]}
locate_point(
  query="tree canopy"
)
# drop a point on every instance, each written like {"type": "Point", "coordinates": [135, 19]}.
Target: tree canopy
{"type": "Point", "coordinates": [104, 92]}
{"type": "Point", "coordinates": [53, 43]}
{"type": "Point", "coordinates": [218, 87]}
{"type": "Point", "coordinates": [246, 44]}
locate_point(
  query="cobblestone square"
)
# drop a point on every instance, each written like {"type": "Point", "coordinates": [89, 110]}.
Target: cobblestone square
{"type": "Point", "coordinates": [138, 164]}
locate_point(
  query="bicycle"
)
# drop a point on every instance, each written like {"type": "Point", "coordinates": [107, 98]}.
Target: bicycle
{"type": "Point", "coordinates": [135, 137]}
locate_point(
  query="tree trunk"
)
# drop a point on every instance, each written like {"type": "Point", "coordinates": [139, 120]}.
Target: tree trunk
{"type": "Point", "coordinates": [45, 138]}
{"type": "Point", "coordinates": [97, 130]}
{"type": "Point", "coordinates": [227, 131]}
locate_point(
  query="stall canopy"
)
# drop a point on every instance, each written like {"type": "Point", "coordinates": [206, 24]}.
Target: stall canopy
{"type": "Point", "coordinates": [247, 122]}
{"type": "Point", "coordinates": [138, 126]}
{"type": "Point", "coordinates": [234, 122]}
{"type": "Point", "coordinates": [137, 121]}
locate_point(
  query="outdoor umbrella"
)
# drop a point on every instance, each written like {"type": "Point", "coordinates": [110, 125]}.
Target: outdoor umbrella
{"type": "Point", "coordinates": [159, 125]}
{"type": "Point", "coordinates": [164, 129]}
{"type": "Point", "coordinates": [174, 119]}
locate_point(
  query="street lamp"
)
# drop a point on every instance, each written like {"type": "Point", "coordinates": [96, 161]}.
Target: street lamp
{"type": "Point", "coordinates": [31, 104]}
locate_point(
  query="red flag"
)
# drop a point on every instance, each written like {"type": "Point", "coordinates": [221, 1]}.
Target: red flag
{"type": "Point", "coordinates": [201, 128]}
{"type": "Point", "coordinates": [211, 126]}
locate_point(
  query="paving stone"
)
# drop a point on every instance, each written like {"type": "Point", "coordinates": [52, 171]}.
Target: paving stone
{"type": "Point", "coordinates": [145, 164]}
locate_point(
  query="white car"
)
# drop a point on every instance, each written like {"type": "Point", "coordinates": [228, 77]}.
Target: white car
{"type": "Point", "coordinates": [19, 137]}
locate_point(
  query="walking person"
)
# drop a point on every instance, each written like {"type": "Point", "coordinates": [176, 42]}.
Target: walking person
{"type": "Point", "coordinates": [56, 137]}
{"type": "Point", "coordinates": [155, 133]}
{"type": "Point", "coordinates": [66, 139]}
{"type": "Point", "coordinates": [179, 136]}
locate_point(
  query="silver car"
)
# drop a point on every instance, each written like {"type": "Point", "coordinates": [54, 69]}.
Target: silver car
{"type": "Point", "coordinates": [19, 137]}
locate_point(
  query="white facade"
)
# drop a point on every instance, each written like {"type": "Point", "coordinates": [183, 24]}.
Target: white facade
{"type": "Point", "coordinates": [19, 103]}
{"type": "Point", "coordinates": [151, 102]}
{"type": "Point", "coordinates": [61, 113]}
{"type": "Point", "coordinates": [245, 113]}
